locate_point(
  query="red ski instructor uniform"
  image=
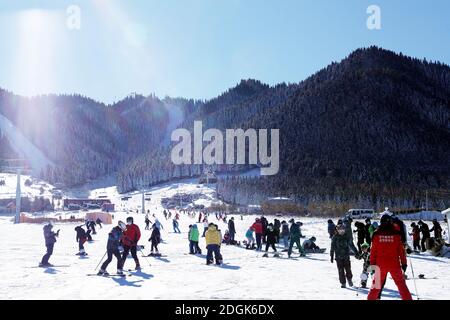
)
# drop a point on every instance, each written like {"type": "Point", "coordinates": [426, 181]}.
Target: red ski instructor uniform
{"type": "Point", "coordinates": [388, 253]}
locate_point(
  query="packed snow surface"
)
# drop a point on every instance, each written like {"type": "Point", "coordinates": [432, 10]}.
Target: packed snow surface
{"type": "Point", "coordinates": [178, 275]}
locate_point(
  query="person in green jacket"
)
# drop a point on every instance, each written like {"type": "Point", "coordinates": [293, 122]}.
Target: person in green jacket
{"type": "Point", "coordinates": [295, 234]}
{"type": "Point", "coordinates": [193, 237]}
{"type": "Point", "coordinates": [373, 227]}
{"type": "Point", "coordinates": [340, 250]}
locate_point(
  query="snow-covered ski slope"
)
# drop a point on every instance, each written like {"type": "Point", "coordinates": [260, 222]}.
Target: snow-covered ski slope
{"type": "Point", "coordinates": [178, 275]}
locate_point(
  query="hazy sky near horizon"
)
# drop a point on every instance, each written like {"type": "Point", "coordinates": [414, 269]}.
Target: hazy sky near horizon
{"type": "Point", "coordinates": [199, 48]}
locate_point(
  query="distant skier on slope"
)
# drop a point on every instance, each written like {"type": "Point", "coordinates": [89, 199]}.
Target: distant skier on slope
{"type": "Point", "coordinates": [50, 240]}
{"type": "Point", "coordinates": [388, 254]}
{"type": "Point", "coordinates": [130, 238]}
{"type": "Point", "coordinates": [231, 230]}
{"type": "Point", "coordinates": [155, 239]}
{"type": "Point", "coordinates": [175, 226]}
{"type": "Point", "coordinates": [340, 251]}
{"type": "Point", "coordinates": [112, 249]}
{"type": "Point", "coordinates": [147, 223]}
{"type": "Point", "coordinates": [99, 222]}
{"type": "Point", "coordinates": [81, 239]}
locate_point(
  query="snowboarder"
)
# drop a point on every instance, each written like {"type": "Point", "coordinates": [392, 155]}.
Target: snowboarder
{"type": "Point", "coordinates": [437, 229]}
{"type": "Point", "coordinates": [130, 238]}
{"type": "Point", "coordinates": [425, 230]}
{"type": "Point", "coordinates": [331, 228]}
{"type": "Point", "coordinates": [231, 230]}
{"type": "Point", "coordinates": [81, 239]}
{"type": "Point", "coordinates": [92, 226]}
{"type": "Point", "coordinates": [340, 250]}
{"type": "Point", "coordinates": [258, 227]}
{"type": "Point", "coordinates": [285, 235]}
{"type": "Point", "coordinates": [250, 239]}
{"type": "Point", "coordinates": [112, 249]}
{"type": "Point", "coordinates": [295, 234]}
{"type": "Point", "coordinates": [388, 254]}
{"type": "Point", "coordinates": [365, 256]}
{"type": "Point", "coordinates": [271, 238]}
{"type": "Point", "coordinates": [155, 239]}
{"type": "Point", "coordinates": [416, 236]}
{"type": "Point", "coordinates": [50, 239]}
{"type": "Point", "coordinates": [175, 226]}
{"type": "Point", "coordinates": [310, 245]}
{"type": "Point", "coordinates": [213, 241]}
{"type": "Point", "coordinates": [193, 237]}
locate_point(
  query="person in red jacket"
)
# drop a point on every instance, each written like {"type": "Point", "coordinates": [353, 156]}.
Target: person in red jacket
{"type": "Point", "coordinates": [258, 227]}
{"type": "Point", "coordinates": [388, 254]}
{"type": "Point", "coordinates": [130, 238]}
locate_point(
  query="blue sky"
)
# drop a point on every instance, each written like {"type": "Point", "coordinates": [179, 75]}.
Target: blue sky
{"type": "Point", "coordinates": [199, 48]}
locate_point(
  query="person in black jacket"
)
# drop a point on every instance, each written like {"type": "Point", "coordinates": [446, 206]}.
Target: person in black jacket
{"type": "Point", "coordinates": [50, 239]}
{"type": "Point", "coordinates": [361, 233]}
{"type": "Point", "coordinates": [276, 228]}
{"type": "Point", "coordinates": [437, 229]}
{"type": "Point", "coordinates": [368, 237]}
{"type": "Point", "coordinates": [81, 239]}
{"type": "Point", "coordinates": [99, 222]}
{"type": "Point", "coordinates": [425, 234]}
{"type": "Point", "coordinates": [270, 239]}
{"type": "Point", "coordinates": [112, 249]}
{"type": "Point", "coordinates": [155, 239]}
{"type": "Point", "coordinates": [331, 228]}
{"type": "Point", "coordinates": [231, 230]}
{"type": "Point", "coordinates": [264, 223]}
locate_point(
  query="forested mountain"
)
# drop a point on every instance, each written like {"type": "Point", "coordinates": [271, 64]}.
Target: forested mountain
{"type": "Point", "coordinates": [369, 130]}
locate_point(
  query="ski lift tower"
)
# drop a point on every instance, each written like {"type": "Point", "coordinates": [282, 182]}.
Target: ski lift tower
{"type": "Point", "coordinates": [17, 166]}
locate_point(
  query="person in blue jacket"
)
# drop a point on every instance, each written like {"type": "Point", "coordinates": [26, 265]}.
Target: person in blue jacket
{"type": "Point", "coordinates": [112, 249]}
{"type": "Point", "coordinates": [50, 240]}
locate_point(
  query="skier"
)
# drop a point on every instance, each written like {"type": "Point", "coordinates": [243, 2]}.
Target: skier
{"type": "Point", "coordinates": [81, 239]}
{"type": "Point", "coordinates": [295, 234]}
{"type": "Point", "coordinates": [276, 228]}
{"type": "Point", "coordinates": [199, 217]}
{"type": "Point", "coordinates": [425, 230]}
{"type": "Point", "coordinates": [264, 223]}
{"type": "Point", "coordinates": [340, 248]}
{"type": "Point", "coordinates": [361, 233]}
{"type": "Point", "coordinates": [271, 238]}
{"type": "Point", "coordinates": [155, 239]}
{"type": "Point", "coordinates": [437, 230]}
{"type": "Point", "coordinates": [92, 226]}
{"type": "Point", "coordinates": [310, 245]}
{"type": "Point", "coordinates": [365, 256]}
{"type": "Point", "coordinates": [165, 214]}
{"type": "Point", "coordinates": [99, 222]}
{"type": "Point", "coordinates": [88, 235]}
{"type": "Point", "coordinates": [250, 239]}
{"type": "Point", "coordinates": [205, 226]}
{"type": "Point", "coordinates": [177, 216]}
{"type": "Point", "coordinates": [50, 239]}
{"type": "Point", "coordinates": [257, 226]}
{"type": "Point", "coordinates": [147, 223]}
{"type": "Point", "coordinates": [213, 241]}
{"type": "Point", "coordinates": [193, 237]}
{"type": "Point", "coordinates": [416, 236]}
{"type": "Point", "coordinates": [112, 249]}
{"type": "Point", "coordinates": [159, 226]}
{"type": "Point", "coordinates": [331, 228]}
{"type": "Point", "coordinates": [231, 230]}
{"type": "Point", "coordinates": [388, 254]}
{"type": "Point", "coordinates": [130, 238]}
{"type": "Point", "coordinates": [285, 235]}
{"type": "Point", "coordinates": [347, 222]}
{"type": "Point", "coordinates": [175, 226]}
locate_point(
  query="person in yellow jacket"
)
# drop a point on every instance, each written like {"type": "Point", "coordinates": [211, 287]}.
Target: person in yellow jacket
{"type": "Point", "coordinates": [213, 241]}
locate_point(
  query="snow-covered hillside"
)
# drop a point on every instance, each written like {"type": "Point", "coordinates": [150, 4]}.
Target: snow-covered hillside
{"type": "Point", "coordinates": [178, 275]}
{"type": "Point", "coordinates": [9, 189]}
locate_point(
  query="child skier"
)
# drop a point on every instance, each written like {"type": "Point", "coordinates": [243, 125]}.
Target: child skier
{"type": "Point", "coordinates": [340, 247]}
{"type": "Point", "coordinates": [193, 237]}
{"type": "Point", "coordinates": [365, 256]}
{"type": "Point", "coordinates": [310, 245]}
{"type": "Point", "coordinates": [112, 249]}
{"type": "Point", "coordinates": [250, 239]}
{"type": "Point", "coordinates": [416, 236]}
{"type": "Point", "coordinates": [50, 239]}
{"type": "Point", "coordinates": [81, 239]}
{"type": "Point", "coordinates": [155, 239]}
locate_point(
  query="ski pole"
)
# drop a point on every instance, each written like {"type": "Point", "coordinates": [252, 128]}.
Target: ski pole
{"type": "Point", "coordinates": [101, 260]}
{"type": "Point", "coordinates": [414, 277]}
{"type": "Point", "coordinates": [145, 258]}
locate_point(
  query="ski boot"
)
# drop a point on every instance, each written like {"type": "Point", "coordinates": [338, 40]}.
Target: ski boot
{"type": "Point", "coordinates": [343, 286]}
{"type": "Point", "coordinates": [138, 267]}
{"type": "Point", "coordinates": [363, 285]}
{"type": "Point", "coordinates": [276, 255]}
{"type": "Point", "coordinates": [45, 265]}
{"type": "Point", "coordinates": [350, 283]}
{"type": "Point", "coordinates": [102, 273]}
{"type": "Point", "coordinates": [265, 255]}
{"type": "Point", "coordinates": [208, 262]}
{"type": "Point", "coordinates": [219, 262]}
{"type": "Point", "coordinates": [120, 272]}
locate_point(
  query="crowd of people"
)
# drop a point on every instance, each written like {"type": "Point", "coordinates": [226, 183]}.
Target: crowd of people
{"type": "Point", "coordinates": [383, 244]}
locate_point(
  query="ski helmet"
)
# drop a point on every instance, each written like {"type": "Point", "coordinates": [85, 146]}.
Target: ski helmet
{"type": "Point", "coordinates": [130, 220]}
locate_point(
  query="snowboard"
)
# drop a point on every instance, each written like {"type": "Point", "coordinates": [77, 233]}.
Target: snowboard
{"type": "Point", "coordinates": [316, 251]}
{"type": "Point", "coordinates": [81, 254]}
{"type": "Point", "coordinates": [156, 255]}
{"type": "Point", "coordinates": [57, 266]}
{"type": "Point", "coordinates": [109, 275]}
{"type": "Point", "coordinates": [272, 255]}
